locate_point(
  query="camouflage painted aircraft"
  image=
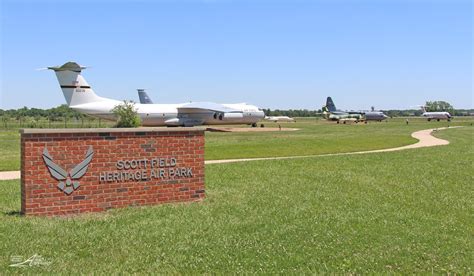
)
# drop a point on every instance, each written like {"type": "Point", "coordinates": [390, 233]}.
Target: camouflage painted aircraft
{"type": "Point", "coordinates": [331, 113]}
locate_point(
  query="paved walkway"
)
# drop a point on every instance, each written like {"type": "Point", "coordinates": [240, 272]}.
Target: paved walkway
{"type": "Point", "coordinates": [425, 139]}
{"type": "Point", "coordinates": [9, 175]}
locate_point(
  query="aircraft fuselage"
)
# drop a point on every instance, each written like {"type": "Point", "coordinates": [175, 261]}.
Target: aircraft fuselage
{"type": "Point", "coordinates": [437, 115]}
{"type": "Point", "coordinates": [375, 116]}
{"type": "Point", "coordinates": [170, 114]}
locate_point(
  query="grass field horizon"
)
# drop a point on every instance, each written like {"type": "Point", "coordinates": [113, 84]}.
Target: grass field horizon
{"type": "Point", "coordinates": [399, 212]}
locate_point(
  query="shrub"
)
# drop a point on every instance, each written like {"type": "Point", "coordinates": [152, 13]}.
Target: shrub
{"type": "Point", "coordinates": [126, 114]}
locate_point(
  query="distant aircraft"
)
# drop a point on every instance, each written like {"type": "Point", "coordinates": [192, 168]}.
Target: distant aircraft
{"type": "Point", "coordinates": [80, 96]}
{"type": "Point", "coordinates": [279, 119]}
{"type": "Point", "coordinates": [439, 115]}
{"type": "Point", "coordinates": [331, 113]}
{"type": "Point", "coordinates": [375, 116]}
{"type": "Point", "coordinates": [143, 96]}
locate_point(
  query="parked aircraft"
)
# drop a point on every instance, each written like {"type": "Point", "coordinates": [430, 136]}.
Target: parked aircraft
{"type": "Point", "coordinates": [375, 116]}
{"type": "Point", "coordinates": [331, 113]}
{"type": "Point", "coordinates": [279, 119]}
{"type": "Point", "coordinates": [80, 96]}
{"type": "Point", "coordinates": [145, 99]}
{"type": "Point", "coordinates": [440, 115]}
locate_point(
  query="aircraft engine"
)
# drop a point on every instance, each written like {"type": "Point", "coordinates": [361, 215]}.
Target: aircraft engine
{"type": "Point", "coordinates": [230, 116]}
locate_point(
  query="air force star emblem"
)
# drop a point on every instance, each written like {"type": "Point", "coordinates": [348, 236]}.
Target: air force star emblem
{"type": "Point", "coordinates": [68, 181]}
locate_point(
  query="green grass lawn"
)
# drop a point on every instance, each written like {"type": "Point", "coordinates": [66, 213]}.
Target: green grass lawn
{"type": "Point", "coordinates": [314, 137]}
{"type": "Point", "coordinates": [404, 212]}
{"type": "Point", "coordinates": [9, 150]}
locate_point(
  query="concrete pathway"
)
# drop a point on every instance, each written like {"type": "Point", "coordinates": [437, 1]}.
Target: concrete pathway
{"type": "Point", "coordinates": [425, 139]}
{"type": "Point", "coordinates": [9, 175]}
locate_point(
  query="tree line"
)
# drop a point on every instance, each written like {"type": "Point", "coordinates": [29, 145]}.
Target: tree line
{"type": "Point", "coordinates": [55, 114]}
{"type": "Point", "coordinates": [58, 117]}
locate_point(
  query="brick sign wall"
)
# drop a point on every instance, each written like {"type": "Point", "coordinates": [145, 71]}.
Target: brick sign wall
{"type": "Point", "coordinates": [69, 171]}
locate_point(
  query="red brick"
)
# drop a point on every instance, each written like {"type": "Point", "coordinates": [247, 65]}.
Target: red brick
{"type": "Point", "coordinates": [41, 196]}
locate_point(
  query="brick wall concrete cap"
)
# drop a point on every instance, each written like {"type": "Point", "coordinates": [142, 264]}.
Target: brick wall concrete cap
{"type": "Point", "coordinates": [109, 130]}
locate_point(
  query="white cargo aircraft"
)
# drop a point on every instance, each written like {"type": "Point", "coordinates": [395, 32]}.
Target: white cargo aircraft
{"type": "Point", "coordinates": [80, 96]}
{"type": "Point", "coordinates": [439, 115]}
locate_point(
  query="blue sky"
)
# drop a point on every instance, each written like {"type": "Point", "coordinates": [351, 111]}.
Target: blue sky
{"type": "Point", "coordinates": [392, 54]}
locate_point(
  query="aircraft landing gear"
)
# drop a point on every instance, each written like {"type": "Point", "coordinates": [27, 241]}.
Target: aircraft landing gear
{"type": "Point", "coordinates": [437, 120]}
{"type": "Point", "coordinates": [254, 125]}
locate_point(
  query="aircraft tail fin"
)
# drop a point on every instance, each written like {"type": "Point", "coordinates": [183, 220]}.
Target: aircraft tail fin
{"type": "Point", "coordinates": [330, 105]}
{"type": "Point", "coordinates": [75, 88]}
{"type": "Point", "coordinates": [144, 98]}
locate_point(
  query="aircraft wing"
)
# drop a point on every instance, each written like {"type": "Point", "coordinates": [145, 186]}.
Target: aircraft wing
{"type": "Point", "coordinates": [207, 106]}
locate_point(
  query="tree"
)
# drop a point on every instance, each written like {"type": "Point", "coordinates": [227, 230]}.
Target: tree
{"type": "Point", "coordinates": [126, 114]}
{"type": "Point", "coordinates": [438, 106]}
